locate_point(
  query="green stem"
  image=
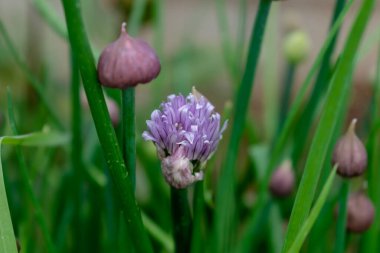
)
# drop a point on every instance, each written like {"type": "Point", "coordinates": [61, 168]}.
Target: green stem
{"type": "Point", "coordinates": [340, 242]}
{"type": "Point", "coordinates": [181, 219]}
{"type": "Point", "coordinates": [285, 95]}
{"type": "Point", "coordinates": [320, 86]}
{"type": "Point", "coordinates": [76, 156]}
{"type": "Point", "coordinates": [335, 100]}
{"type": "Point", "coordinates": [224, 212]}
{"type": "Point", "coordinates": [157, 233]}
{"type": "Point", "coordinates": [198, 211]}
{"type": "Point", "coordinates": [225, 38]}
{"type": "Point", "coordinates": [254, 227]}
{"type": "Point", "coordinates": [28, 185]}
{"type": "Point", "coordinates": [129, 132]}
{"type": "Point", "coordinates": [107, 137]}
{"type": "Point", "coordinates": [371, 237]}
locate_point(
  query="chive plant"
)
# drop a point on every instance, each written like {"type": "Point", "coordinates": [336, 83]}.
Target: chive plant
{"type": "Point", "coordinates": [180, 177]}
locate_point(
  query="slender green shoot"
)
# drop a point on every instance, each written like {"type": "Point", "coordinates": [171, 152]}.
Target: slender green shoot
{"type": "Point", "coordinates": [340, 243]}
{"type": "Point", "coordinates": [309, 222]}
{"type": "Point", "coordinates": [371, 242]}
{"type": "Point", "coordinates": [181, 218]}
{"type": "Point", "coordinates": [224, 212]}
{"type": "Point", "coordinates": [335, 100]}
{"type": "Point", "coordinates": [197, 242]}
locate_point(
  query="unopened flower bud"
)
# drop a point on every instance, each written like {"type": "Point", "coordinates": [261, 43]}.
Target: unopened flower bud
{"type": "Point", "coordinates": [179, 171]}
{"type": "Point", "coordinates": [127, 62]}
{"type": "Point", "coordinates": [113, 108]}
{"type": "Point", "coordinates": [297, 46]}
{"type": "Point", "coordinates": [350, 154]}
{"type": "Point", "coordinates": [360, 213]}
{"type": "Point", "coordinates": [282, 181]}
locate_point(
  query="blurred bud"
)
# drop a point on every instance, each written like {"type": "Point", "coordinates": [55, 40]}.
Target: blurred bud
{"type": "Point", "coordinates": [179, 171]}
{"type": "Point", "coordinates": [360, 213]}
{"type": "Point", "coordinates": [18, 245]}
{"type": "Point", "coordinates": [282, 181]}
{"type": "Point", "coordinates": [127, 62]}
{"type": "Point", "coordinates": [296, 46]}
{"type": "Point", "coordinates": [350, 154]}
{"type": "Point", "coordinates": [113, 108]}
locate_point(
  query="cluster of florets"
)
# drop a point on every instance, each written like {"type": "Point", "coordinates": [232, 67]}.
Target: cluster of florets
{"type": "Point", "coordinates": [186, 132]}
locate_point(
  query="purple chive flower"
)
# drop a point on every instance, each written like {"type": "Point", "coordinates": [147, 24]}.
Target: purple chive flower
{"type": "Point", "coordinates": [186, 132]}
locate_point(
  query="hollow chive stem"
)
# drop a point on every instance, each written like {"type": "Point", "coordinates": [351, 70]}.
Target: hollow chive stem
{"type": "Point", "coordinates": [128, 135]}
{"type": "Point", "coordinates": [181, 219]}
{"type": "Point", "coordinates": [76, 154]}
{"type": "Point", "coordinates": [285, 96]}
{"type": "Point", "coordinates": [224, 213]}
{"type": "Point", "coordinates": [198, 210]}
{"type": "Point", "coordinates": [340, 242]}
{"type": "Point", "coordinates": [107, 137]}
{"type": "Point", "coordinates": [129, 132]}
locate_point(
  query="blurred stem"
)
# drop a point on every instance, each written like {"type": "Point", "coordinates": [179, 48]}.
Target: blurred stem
{"type": "Point", "coordinates": [340, 242]}
{"type": "Point", "coordinates": [286, 94]}
{"type": "Point", "coordinates": [254, 227]}
{"type": "Point", "coordinates": [224, 212]}
{"type": "Point", "coordinates": [321, 84]}
{"type": "Point", "coordinates": [37, 85]}
{"type": "Point", "coordinates": [371, 237]}
{"type": "Point", "coordinates": [222, 16]}
{"type": "Point", "coordinates": [198, 212]}
{"type": "Point", "coordinates": [107, 137]}
{"type": "Point", "coordinates": [28, 185]}
{"type": "Point", "coordinates": [242, 26]}
{"type": "Point", "coordinates": [129, 132]}
{"type": "Point", "coordinates": [181, 219]}
{"type": "Point", "coordinates": [51, 18]}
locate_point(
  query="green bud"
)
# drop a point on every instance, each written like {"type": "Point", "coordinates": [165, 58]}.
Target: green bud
{"type": "Point", "coordinates": [296, 46]}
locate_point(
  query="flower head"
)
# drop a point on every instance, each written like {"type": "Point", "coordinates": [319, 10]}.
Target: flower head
{"type": "Point", "coordinates": [186, 132]}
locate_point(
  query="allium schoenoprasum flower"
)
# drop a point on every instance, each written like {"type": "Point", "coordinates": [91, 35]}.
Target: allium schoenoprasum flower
{"type": "Point", "coordinates": [186, 132]}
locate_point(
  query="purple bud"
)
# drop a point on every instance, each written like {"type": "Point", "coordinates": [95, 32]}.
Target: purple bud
{"type": "Point", "coordinates": [186, 132]}
{"type": "Point", "coordinates": [127, 62]}
{"type": "Point", "coordinates": [360, 213]}
{"type": "Point", "coordinates": [350, 154]}
{"type": "Point", "coordinates": [282, 181]}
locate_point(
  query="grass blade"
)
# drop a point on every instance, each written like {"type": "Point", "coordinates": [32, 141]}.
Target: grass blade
{"type": "Point", "coordinates": [308, 224]}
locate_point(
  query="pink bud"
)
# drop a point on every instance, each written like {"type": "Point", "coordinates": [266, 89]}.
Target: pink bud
{"type": "Point", "coordinates": [127, 62]}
